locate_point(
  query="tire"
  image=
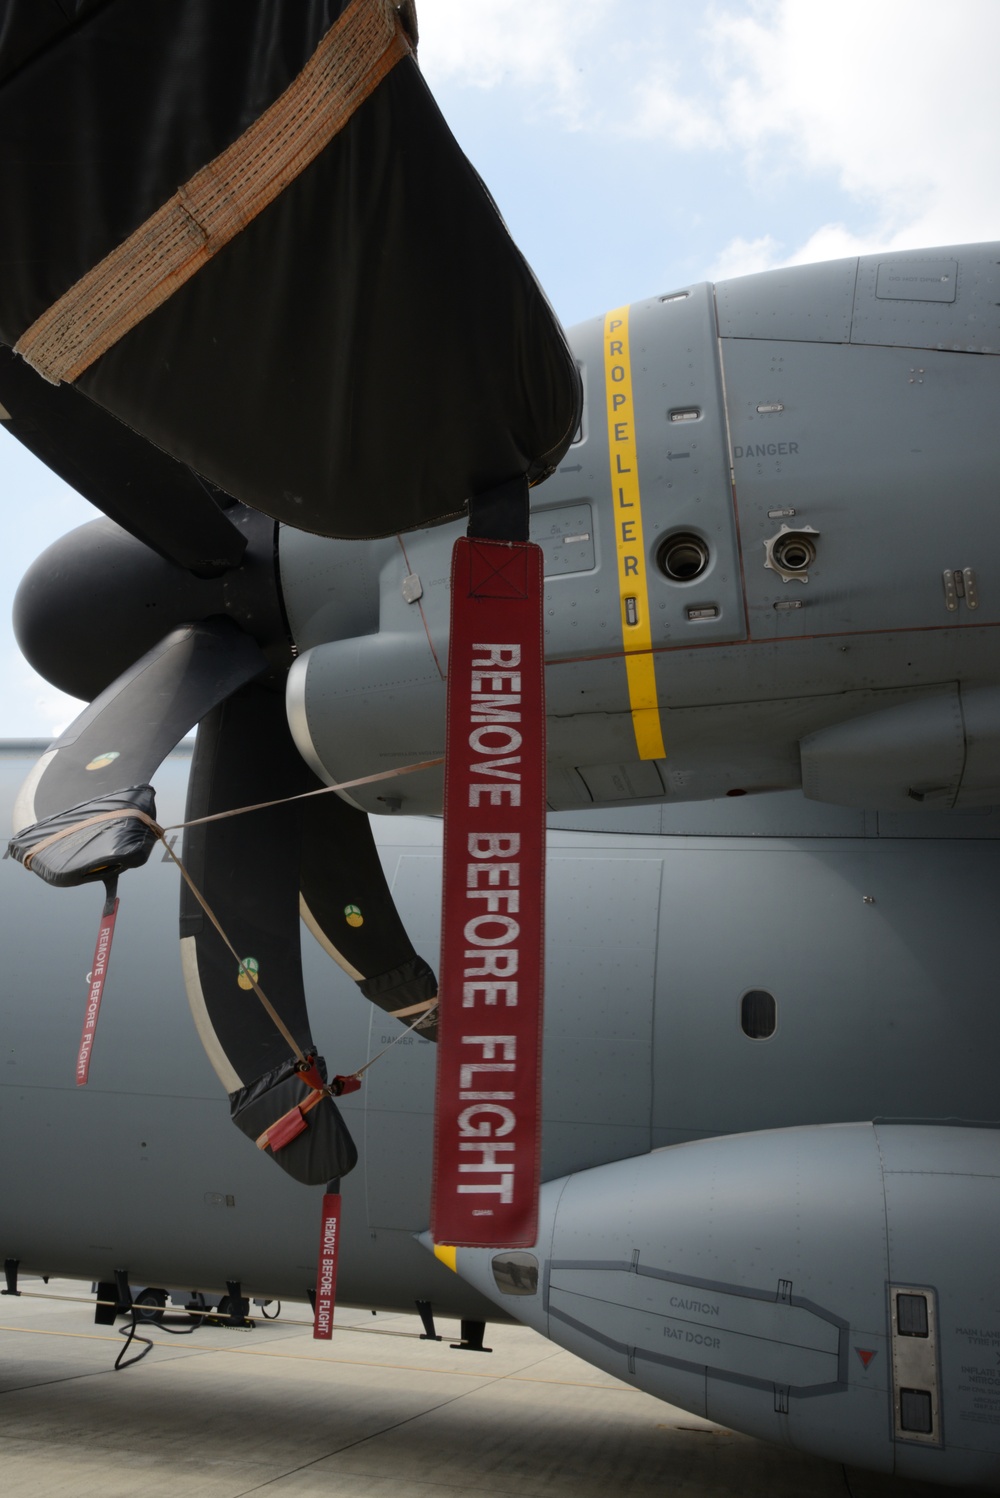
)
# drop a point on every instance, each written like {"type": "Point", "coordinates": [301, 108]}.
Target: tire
{"type": "Point", "coordinates": [149, 1304]}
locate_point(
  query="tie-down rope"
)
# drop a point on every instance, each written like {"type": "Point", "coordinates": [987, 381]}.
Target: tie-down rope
{"type": "Point", "coordinates": [421, 1010]}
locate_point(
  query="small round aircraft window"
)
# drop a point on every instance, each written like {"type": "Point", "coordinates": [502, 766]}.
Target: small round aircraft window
{"type": "Point", "coordinates": [758, 1014]}
{"type": "Point", "coordinates": [516, 1274]}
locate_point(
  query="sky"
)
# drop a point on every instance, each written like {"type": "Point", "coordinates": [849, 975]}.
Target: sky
{"type": "Point", "coordinates": [637, 146]}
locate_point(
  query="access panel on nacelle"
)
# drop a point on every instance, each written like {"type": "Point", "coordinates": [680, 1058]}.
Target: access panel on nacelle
{"type": "Point", "coordinates": [890, 473]}
{"type": "Point", "coordinates": [653, 463]}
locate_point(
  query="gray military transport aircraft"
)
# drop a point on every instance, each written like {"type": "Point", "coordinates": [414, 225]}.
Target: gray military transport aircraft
{"type": "Point", "coordinates": [771, 1166]}
{"type": "Point", "coordinates": [770, 1151]}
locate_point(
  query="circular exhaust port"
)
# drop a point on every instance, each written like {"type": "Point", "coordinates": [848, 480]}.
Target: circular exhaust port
{"type": "Point", "coordinates": [683, 557]}
{"type": "Point", "coordinates": [794, 553]}
{"type": "Point", "coordinates": [791, 553]}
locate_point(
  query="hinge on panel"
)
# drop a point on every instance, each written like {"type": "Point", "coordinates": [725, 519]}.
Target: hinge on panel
{"type": "Point", "coordinates": [960, 583]}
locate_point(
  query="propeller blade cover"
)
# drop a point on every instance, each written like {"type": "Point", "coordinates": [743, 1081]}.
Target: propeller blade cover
{"type": "Point", "coordinates": [74, 847]}
{"type": "Point", "coordinates": [364, 354]}
{"type": "Point", "coordinates": [322, 1151]}
{"type": "Point", "coordinates": [155, 498]}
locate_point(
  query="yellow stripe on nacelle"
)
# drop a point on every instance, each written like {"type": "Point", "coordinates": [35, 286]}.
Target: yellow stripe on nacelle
{"type": "Point", "coordinates": [627, 511]}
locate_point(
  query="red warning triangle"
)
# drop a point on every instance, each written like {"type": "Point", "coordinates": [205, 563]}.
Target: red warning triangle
{"type": "Point", "coordinates": [865, 1354]}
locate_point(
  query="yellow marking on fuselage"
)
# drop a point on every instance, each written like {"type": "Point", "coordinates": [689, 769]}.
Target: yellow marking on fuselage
{"type": "Point", "coordinates": [627, 511]}
{"type": "Point", "coordinates": [447, 1255]}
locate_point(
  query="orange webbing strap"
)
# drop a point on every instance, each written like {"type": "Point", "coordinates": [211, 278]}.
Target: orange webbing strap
{"type": "Point", "coordinates": [94, 821]}
{"type": "Point", "coordinates": [290, 1124]}
{"type": "Point", "coordinates": [221, 816]}
{"type": "Point", "coordinates": [324, 790]}
{"type": "Point", "coordinates": [221, 199]}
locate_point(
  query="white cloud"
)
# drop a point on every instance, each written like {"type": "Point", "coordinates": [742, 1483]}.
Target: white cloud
{"type": "Point", "coordinates": [657, 109]}
{"type": "Point", "coordinates": [599, 65]}
{"type": "Point", "coordinates": [744, 257]}
{"type": "Point", "coordinates": [893, 100]}
{"type": "Point", "coordinates": [540, 47]}
{"type": "Point", "coordinates": [55, 711]}
{"type": "Point", "coordinates": [897, 100]}
{"type": "Point", "coordinates": [31, 707]}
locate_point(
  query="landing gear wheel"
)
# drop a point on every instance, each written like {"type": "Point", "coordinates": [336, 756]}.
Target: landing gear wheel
{"type": "Point", "coordinates": [149, 1304]}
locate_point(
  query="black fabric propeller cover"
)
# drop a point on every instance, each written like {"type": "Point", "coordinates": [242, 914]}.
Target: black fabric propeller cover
{"type": "Point", "coordinates": [27, 26]}
{"type": "Point", "coordinates": [369, 352]}
{"type": "Point", "coordinates": [324, 1149]}
{"type": "Point", "coordinates": [247, 868]}
{"type": "Point", "coordinates": [155, 498]}
{"type": "Point", "coordinates": [86, 854]}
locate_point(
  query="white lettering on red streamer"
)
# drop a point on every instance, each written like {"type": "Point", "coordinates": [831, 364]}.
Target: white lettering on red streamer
{"type": "Point", "coordinates": [95, 988]}
{"type": "Point", "coordinates": [488, 1113]}
{"type": "Point", "coordinates": [326, 1273]}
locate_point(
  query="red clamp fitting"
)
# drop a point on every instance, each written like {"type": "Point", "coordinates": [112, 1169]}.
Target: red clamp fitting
{"type": "Point", "coordinates": [309, 1071]}
{"type": "Point", "coordinates": [340, 1085]}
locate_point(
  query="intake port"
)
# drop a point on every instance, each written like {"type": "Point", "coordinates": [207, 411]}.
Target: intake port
{"type": "Point", "coordinates": [795, 553]}
{"type": "Point", "coordinates": [791, 553]}
{"type": "Point", "coordinates": [682, 557]}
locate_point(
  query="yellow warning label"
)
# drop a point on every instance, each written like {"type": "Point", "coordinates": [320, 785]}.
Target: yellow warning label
{"type": "Point", "coordinates": [627, 510]}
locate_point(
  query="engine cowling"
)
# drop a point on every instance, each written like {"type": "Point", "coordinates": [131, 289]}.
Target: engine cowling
{"type": "Point", "coordinates": [757, 527]}
{"type": "Point", "coordinates": [831, 1288]}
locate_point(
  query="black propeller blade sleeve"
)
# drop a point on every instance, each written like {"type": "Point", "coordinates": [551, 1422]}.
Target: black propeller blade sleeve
{"type": "Point", "coordinates": [347, 905]}
{"type": "Point", "coordinates": [150, 495]}
{"type": "Point", "coordinates": [247, 868]}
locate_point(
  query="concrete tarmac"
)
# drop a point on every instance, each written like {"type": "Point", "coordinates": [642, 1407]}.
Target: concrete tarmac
{"type": "Point", "coordinates": [374, 1413]}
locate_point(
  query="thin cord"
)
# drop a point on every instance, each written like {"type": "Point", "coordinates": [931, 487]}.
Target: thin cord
{"type": "Point", "coordinates": [161, 834]}
{"type": "Point", "coordinates": [423, 616]}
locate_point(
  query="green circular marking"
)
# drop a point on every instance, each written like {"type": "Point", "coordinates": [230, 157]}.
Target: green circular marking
{"type": "Point", "coordinates": [101, 761]}
{"type": "Point", "coordinates": [249, 969]}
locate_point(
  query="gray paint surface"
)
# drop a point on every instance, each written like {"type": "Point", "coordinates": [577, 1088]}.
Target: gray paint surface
{"type": "Point", "coordinates": [653, 940]}
{"type": "Point", "coordinates": [852, 399]}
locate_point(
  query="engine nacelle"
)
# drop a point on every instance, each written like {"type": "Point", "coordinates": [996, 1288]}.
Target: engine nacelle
{"type": "Point", "coordinates": [831, 1288]}
{"type": "Point", "coordinates": [777, 519]}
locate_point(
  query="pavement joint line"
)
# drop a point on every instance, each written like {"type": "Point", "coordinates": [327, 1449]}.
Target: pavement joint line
{"type": "Point", "coordinates": [305, 1357]}
{"type": "Point", "coordinates": [349, 1446]}
{"type": "Point", "coordinates": [485, 1488]}
{"type": "Point", "coordinates": [47, 1383]}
